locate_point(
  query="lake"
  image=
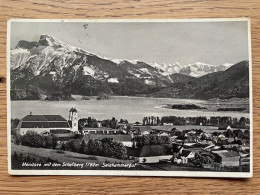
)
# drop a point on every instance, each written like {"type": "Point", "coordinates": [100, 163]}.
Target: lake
{"type": "Point", "coordinates": [131, 108]}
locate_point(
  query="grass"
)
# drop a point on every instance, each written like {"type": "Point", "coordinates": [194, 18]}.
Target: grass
{"type": "Point", "coordinates": [42, 154]}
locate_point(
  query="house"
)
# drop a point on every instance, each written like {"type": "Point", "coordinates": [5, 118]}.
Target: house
{"type": "Point", "coordinates": [150, 153]}
{"type": "Point", "coordinates": [205, 136]}
{"type": "Point", "coordinates": [222, 142]}
{"type": "Point", "coordinates": [122, 125]}
{"type": "Point", "coordinates": [162, 128]}
{"type": "Point", "coordinates": [227, 158]}
{"type": "Point", "coordinates": [230, 146]}
{"type": "Point", "coordinates": [245, 160]}
{"type": "Point", "coordinates": [222, 137]}
{"type": "Point", "coordinates": [184, 156]}
{"type": "Point", "coordinates": [211, 147]}
{"type": "Point", "coordinates": [192, 138]}
{"type": "Point", "coordinates": [42, 124]}
{"type": "Point", "coordinates": [141, 130]}
{"type": "Point", "coordinates": [229, 128]}
{"type": "Point", "coordinates": [98, 130]}
{"type": "Point", "coordinates": [243, 154]}
{"type": "Point", "coordinates": [163, 134]}
{"type": "Point", "coordinates": [167, 124]}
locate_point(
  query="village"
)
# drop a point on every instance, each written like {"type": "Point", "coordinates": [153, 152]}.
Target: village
{"type": "Point", "coordinates": [167, 143]}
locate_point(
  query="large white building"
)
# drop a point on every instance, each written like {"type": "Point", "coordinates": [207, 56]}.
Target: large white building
{"type": "Point", "coordinates": [42, 124]}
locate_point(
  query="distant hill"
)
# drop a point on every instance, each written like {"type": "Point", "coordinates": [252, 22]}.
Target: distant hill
{"type": "Point", "coordinates": [180, 78]}
{"type": "Point", "coordinates": [234, 82]}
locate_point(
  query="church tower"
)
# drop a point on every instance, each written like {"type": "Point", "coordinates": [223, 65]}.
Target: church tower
{"type": "Point", "coordinates": [73, 119]}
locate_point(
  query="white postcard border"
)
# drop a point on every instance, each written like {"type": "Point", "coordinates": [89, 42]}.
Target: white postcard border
{"type": "Point", "coordinates": [129, 172]}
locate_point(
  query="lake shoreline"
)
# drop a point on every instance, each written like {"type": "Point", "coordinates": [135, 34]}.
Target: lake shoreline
{"type": "Point", "coordinates": [126, 107]}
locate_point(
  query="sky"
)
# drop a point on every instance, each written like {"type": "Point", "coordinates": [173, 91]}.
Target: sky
{"type": "Point", "coordinates": [162, 42]}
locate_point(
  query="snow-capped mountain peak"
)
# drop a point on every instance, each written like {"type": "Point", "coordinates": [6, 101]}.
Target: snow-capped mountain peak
{"type": "Point", "coordinates": [199, 69]}
{"type": "Point", "coordinates": [47, 40]}
{"type": "Point", "coordinates": [227, 65]}
{"type": "Point", "coordinates": [50, 53]}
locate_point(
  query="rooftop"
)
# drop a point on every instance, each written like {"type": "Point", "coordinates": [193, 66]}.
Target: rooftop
{"type": "Point", "coordinates": [54, 118]}
{"type": "Point", "coordinates": [185, 153]}
{"type": "Point", "coordinates": [149, 150]}
{"type": "Point", "coordinates": [45, 124]}
{"type": "Point", "coordinates": [225, 153]}
{"type": "Point", "coordinates": [142, 128]}
{"type": "Point", "coordinates": [97, 129]}
{"type": "Point", "coordinates": [73, 110]}
{"type": "Point", "coordinates": [43, 118]}
{"type": "Point", "coordinates": [44, 121]}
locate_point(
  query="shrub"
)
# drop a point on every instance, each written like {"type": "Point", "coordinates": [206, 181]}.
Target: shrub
{"type": "Point", "coordinates": [105, 147]}
{"type": "Point", "coordinates": [32, 139]}
{"type": "Point", "coordinates": [73, 145]}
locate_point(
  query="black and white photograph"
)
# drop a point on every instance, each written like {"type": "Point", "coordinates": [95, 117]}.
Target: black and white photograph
{"type": "Point", "coordinates": [139, 97]}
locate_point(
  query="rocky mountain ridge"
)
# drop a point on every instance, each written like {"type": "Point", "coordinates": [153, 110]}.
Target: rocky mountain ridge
{"type": "Point", "coordinates": [51, 66]}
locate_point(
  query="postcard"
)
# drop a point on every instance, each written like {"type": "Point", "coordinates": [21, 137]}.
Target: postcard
{"type": "Point", "coordinates": [145, 97]}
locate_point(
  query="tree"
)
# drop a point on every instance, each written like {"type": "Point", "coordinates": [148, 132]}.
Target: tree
{"type": "Point", "coordinates": [153, 139]}
{"type": "Point", "coordinates": [91, 147]}
{"type": "Point", "coordinates": [242, 122]}
{"type": "Point", "coordinates": [119, 151]}
{"type": "Point", "coordinates": [74, 145]}
{"type": "Point", "coordinates": [98, 147]}
{"type": "Point", "coordinates": [105, 147]}
{"type": "Point", "coordinates": [229, 133]}
{"type": "Point", "coordinates": [139, 141]}
{"type": "Point", "coordinates": [158, 121]}
{"type": "Point", "coordinates": [89, 120]}
{"type": "Point", "coordinates": [113, 123]}
{"type": "Point", "coordinates": [54, 143]}
{"type": "Point", "coordinates": [107, 150]}
{"type": "Point", "coordinates": [32, 139]}
{"type": "Point", "coordinates": [14, 123]}
{"type": "Point", "coordinates": [146, 140]}
{"type": "Point", "coordinates": [48, 142]}
{"type": "Point", "coordinates": [83, 148]}
{"type": "Point", "coordinates": [94, 123]}
{"type": "Point", "coordinates": [165, 139]}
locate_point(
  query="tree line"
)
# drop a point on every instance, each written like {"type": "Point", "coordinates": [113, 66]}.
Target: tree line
{"type": "Point", "coordinates": [104, 147]}
{"type": "Point", "coordinates": [92, 122]}
{"type": "Point", "coordinates": [212, 121]}
{"type": "Point", "coordinates": [32, 139]}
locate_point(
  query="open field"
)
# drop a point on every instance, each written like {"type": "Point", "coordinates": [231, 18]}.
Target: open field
{"type": "Point", "coordinates": [66, 157]}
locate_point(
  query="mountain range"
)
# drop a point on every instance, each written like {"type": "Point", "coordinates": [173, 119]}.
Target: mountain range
{"type": "Point", "coordinates": [196, 69]}
{"type": "Point", "coordinates": [51, 66]}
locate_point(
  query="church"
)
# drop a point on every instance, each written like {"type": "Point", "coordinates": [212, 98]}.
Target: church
{"type": "Point", "coordinates": [73, 119]}
{"type": "Point", "coordinates": [46, 124]}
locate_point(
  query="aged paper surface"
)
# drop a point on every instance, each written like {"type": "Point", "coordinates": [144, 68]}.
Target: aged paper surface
{"type": "Point", "coordinates": [130, 97]}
